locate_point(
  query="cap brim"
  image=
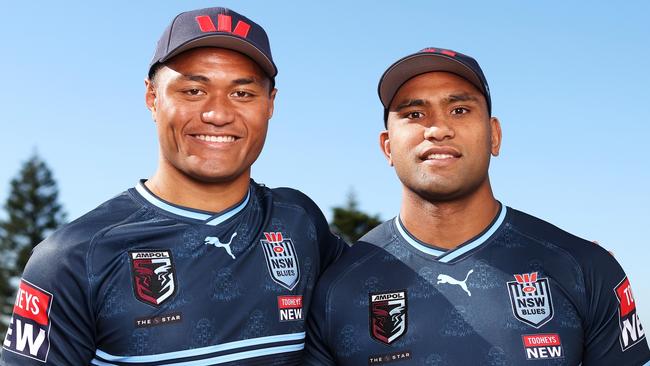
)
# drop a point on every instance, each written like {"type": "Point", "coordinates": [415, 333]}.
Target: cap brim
{"type": "Point", "coordinates": [231, 43]}
{"type": "Point", "coordinates": [421, 63]}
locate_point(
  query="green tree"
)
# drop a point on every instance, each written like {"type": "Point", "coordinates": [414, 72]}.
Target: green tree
{"type": "Point", "coordinates": [351, 223]}
{"type": "Point", "coordinates": [32, 212]}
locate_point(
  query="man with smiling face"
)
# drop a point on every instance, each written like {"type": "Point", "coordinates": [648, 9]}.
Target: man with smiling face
{"type": "Point", "coordinates": [198, 265]}
{"type": "Point", "coordinates": [458, 278]}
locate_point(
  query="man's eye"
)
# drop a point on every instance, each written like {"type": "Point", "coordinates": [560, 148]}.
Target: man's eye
{"type": "Point", "coordinates": [414, 115]}
{"type": "Point", "coordinates": [241, 94]}
{"type": "Point", "coordinates": [194, 92]}
{"type": "Point", "coordinates": [459, 110]}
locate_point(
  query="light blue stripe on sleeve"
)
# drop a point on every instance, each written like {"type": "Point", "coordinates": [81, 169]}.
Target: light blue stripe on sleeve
{"type": "Point", "coordinates": [204, 350]}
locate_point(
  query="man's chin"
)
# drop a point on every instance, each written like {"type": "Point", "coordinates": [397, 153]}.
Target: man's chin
{"type": "Point", "coordinates": [216, 177]}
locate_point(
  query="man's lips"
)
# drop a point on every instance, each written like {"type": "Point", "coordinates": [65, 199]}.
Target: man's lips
{"type": "Point", "coordinates": [440, 153]}
{"type": "Point", "coordinates": [215, 138]}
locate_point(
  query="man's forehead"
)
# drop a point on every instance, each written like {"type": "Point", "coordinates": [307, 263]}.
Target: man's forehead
{"type": "Point", "coordinates": [208, 56]}
{"type": "Point", "coordinates": [441, 85]}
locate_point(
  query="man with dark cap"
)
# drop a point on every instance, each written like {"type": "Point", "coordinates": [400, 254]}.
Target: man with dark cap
{"type": "Point", "coordinates": [458, 278]}
{"type": "Point", "coordinates": [198, 265]}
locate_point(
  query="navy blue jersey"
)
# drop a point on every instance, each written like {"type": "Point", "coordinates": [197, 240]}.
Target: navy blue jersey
{"type": "Point", "coordinates": [523, 292]}
{"type": "Point", "coordinates": [140, 281]}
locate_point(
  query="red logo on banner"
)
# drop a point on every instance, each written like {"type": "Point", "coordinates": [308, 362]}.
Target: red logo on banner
{"type": "Point", "coordinates": [631, 328]}
{"type": "Point", "coordinates": [289, 302]}
{"type": "Point", "coordinates": [290, 308]}
{"type": "Point", "coordinates": [539, 340]}
{"type": "Point", "coordinates": [542, 346]}
{"type": "Point", "coordinates": [32, 303]}
{"type": "Point", "coordinates": [28, 331]}
{"type": "Point", "coordinates": [624, 294]}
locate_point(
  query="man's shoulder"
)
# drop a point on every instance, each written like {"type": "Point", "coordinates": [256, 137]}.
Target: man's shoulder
{"type": "Point", "coordinates": [357, 259]}
{"type": "Point", "coordinates": [77, 234]}
{"type": "Point", "coordinates": [553, 237]}
{"type": "Point", "coordinates": [289, 198]}
{"type": "Point", "coordinates": [381, 235]}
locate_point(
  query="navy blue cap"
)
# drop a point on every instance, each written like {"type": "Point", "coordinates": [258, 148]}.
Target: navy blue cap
{"type": "Point", "coordinates": [215, 27]}
{"type": "Point", "coordinates": [429, 60]}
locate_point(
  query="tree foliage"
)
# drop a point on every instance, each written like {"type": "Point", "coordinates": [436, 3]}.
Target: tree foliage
{"type": "Point", "coordinates": [351, 223]}
{"type": "Point", "coordinates": [32, 212]}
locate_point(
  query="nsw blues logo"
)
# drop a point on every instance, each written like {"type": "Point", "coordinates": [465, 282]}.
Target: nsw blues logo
{"type": "Point", "coordinates": [281, 259]}
{"type": "Point", "coordinates": [531, 299]}
{"type": "Point", "coordinates": [153, 276]}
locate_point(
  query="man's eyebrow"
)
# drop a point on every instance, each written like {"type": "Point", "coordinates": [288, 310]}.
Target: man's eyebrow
{"type": "Point", "coordinates": [410, 103]}
{"type": "Point", "coordinates": [247, 80]}
{"type": "Point", "coordinates": [199, 78]}
{"type": "Point", "coordinates": [461, 97]}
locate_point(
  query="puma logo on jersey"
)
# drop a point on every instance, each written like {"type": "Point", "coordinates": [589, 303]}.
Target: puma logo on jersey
{"type": "Point", "coordinates": [213, 240]}
{"type": "Point", "coordinates": [443, 278]}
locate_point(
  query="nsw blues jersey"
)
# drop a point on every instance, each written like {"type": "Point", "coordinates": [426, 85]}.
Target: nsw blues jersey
{"type": "Point", "coordinates": [523, 292]}
{"type": "Point", "coordinates": [140, 281]}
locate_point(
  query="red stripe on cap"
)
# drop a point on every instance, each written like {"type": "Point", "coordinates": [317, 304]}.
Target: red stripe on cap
{"type": "Point", "coordinates": [224, 23]}
{"type": "Point", "coordinates": [448, 53]}
{"type": "Point", "coordinates": [242, 28]}
{"type": "Point", "coordinates": [205, 23]}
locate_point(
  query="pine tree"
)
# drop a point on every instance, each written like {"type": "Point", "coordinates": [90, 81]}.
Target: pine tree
{"type": "Point", "coordinates": [351, 223]}
{"type": "Point", "coordinates": [32, 212]}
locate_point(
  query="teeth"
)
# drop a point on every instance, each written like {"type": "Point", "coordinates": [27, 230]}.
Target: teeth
{"type": "Point", "coordinates": [211, 138]}
{"type": "Point", "coordinates": [439, 156]}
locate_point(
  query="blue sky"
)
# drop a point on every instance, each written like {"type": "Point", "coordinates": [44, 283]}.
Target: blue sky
{"type": "Point", "coordinates": [569, 84]}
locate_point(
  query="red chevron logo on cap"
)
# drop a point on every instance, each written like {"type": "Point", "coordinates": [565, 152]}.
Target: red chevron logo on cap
{"type": "Point", "coordinates": [441, 51]}
{"type": "Point", "coordinates": [224, 24]}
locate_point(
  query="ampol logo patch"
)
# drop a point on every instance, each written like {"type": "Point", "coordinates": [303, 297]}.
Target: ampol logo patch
{"type": "Point", "coordinates": [29, 331]}
{"type": "Point", "coordinates": [290, 308]}
{"type": "Point", "coordinates": [281, 259]}
{"type": "Point", "coordinates": [531, 299]}
{"type": "Point", "coordinates": [628, 320]}
{"type": "Point", "coordinates": [153, 276]}
{"type": "Point", "coordinates": [388, 316]}
{"type": "Point", "coordinates": [542, 346]}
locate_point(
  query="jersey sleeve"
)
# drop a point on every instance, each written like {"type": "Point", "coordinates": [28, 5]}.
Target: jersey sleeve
{"type": "Point", "coordinates": [613, 333]}
{"type": "Point", "coordinates": [317, 351]}
{"type": "Point", "coordinates": [330, 246]}
{"type": "Point", "coordinates": [52, 322]}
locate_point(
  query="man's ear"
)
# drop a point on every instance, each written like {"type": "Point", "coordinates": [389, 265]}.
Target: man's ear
{"type": "Point", "coordinates": [272, 102]}
{"type": "Point", "coordinates": [495, 143]}
{"type": "Point", "coordinates": [150, 95]}
{"type": "Point", "coordinates": [384, 145]}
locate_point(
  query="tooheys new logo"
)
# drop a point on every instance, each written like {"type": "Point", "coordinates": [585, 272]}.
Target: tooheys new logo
{"type": "Point", "coordinates": [628, 320]}
{"type": "Point", "coordinates": [281, 259]}
{"type": "Point", "coordinates": [153, 276]}
{"type": "Point", "coordinates": [29, 330]}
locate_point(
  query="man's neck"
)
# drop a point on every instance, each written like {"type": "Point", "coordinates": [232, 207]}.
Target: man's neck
{"type": "Point", "coordinates": [179, 189]}
{"type": "Point", "coordinates": [451, 223]}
